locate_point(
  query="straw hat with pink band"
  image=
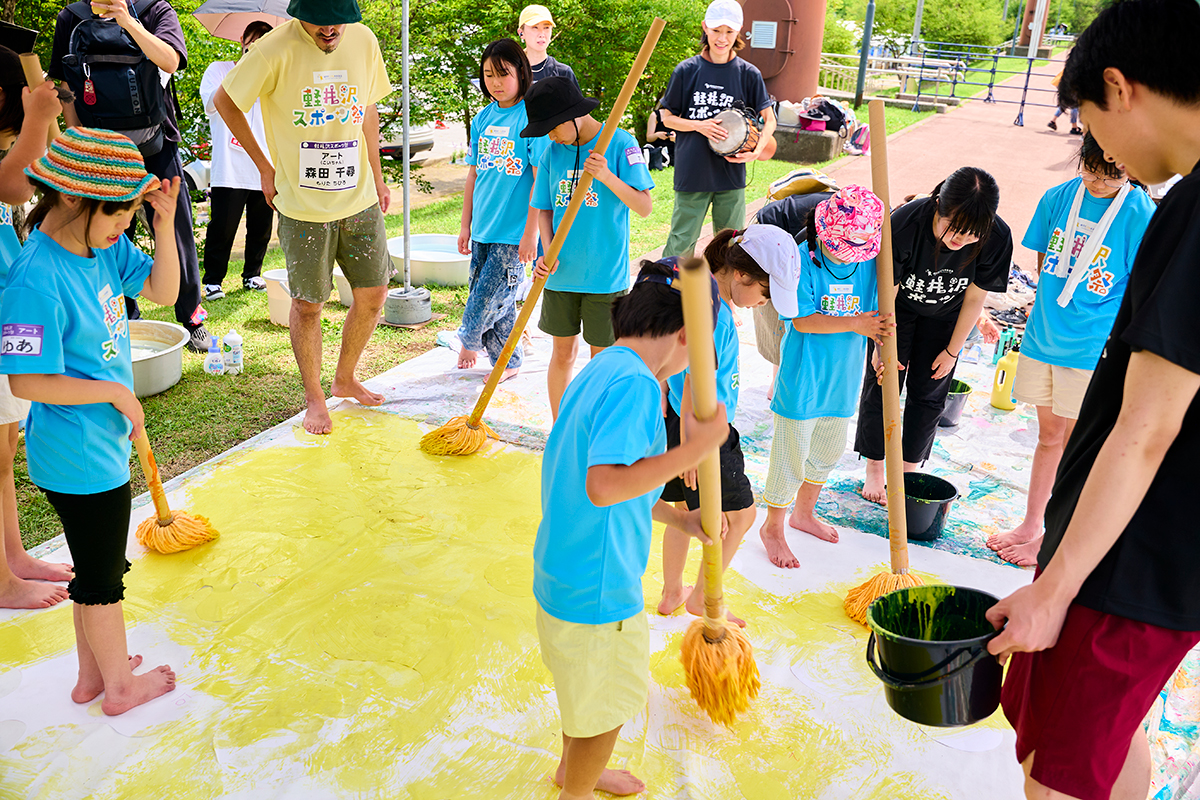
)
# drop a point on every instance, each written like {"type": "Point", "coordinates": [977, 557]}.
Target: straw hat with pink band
{"type": "Point", "coordinates": [850, 224]}
{"type": "Point", "coordinates": [776, 252]}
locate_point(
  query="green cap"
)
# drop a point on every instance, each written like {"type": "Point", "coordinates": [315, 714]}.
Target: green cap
{"type": "Point", "coordinates": [325, 12]}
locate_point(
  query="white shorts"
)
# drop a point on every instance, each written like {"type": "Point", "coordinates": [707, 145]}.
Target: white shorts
{"type": "Point", "coordinates": [12, 409]}
{"type": "Point", "coordinates": [1059, 388]}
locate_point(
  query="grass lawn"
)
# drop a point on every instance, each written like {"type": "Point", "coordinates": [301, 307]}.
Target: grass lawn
{"type": "Point", "coordinates": [203, 416]}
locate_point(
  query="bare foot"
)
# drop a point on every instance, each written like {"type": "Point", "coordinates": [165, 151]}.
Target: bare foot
{"type": "Point", "coordinates": [509, 373]}
{"type": "Point", "coordinates": [142, 689]}
{"type": "Point", "coordinates": [695, 607]}
{"type": "Point", "coordinates": [354, 388]}
{"type": "Point", "coordinates": [809, 523]}
{"type": "Point", "coordinates": [1019, 535]}
{"type": "Point", "coordinates": [26, 566]}
{"type": "Point", "coordinates": [620, 782]}
{"type": "Point", "coordinates": [88, 689]}
{"type": "Point", "coordinates": [316, 418]}
{"type": "Point", "coordinates": [875, 486]}
{"type": "Point", "coordinates": [1023, 555]}
{"type": "Point", "coordinates": [466, 358]}
{"type": "Point", "coordinates": [776, 544]}
{"type": "Point", "coordinates": [670, 603]}
{"type": "Point", "coordinates": [19, 593]}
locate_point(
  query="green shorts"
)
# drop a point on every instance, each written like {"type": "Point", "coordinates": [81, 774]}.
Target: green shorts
{"type": "Point", "coordinates": [358, 244]}
{"type": "Point", "coordinates": [562, 313]}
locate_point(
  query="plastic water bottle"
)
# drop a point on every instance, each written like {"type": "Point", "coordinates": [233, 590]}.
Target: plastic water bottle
{"type": "Point", "coordinates": [213, 363]}
{"type": "Point", "coordinates": [232, 353]}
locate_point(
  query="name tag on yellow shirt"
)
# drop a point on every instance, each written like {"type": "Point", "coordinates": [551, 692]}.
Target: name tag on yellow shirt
{"type": "Point", "coordinates": [329, 166]}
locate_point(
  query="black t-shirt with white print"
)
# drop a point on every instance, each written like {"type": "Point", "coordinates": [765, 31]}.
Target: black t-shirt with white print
{"type": "Point", "coordinates": [1152, 572]}
{"type": "Point", "coordinates": [932, 277]}
{"type": "Point", "coordinates": [700, 89]}
{"type": "Point", "coordinates": [550, 68]}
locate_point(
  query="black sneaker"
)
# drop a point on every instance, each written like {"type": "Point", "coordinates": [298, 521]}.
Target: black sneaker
{"type": "Point", "coordinates": [212, 291]}
{"type": "Point", "coordinates": [1077, 131]}
{"type": "Point", "coordinates": [255, 284]}
{"type": "Point", "coordinates": [198, 340]}
{"type": "Point", "coordinates": [1052, 125]}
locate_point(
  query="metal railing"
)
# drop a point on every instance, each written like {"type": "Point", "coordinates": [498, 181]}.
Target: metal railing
{"type": "Point", "coordinates": [883, 72]}
{"type": "Point", "coordinates": [985, 68]}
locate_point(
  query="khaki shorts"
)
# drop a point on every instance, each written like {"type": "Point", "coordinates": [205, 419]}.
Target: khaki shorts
{"type": "Point", "coordinates": [564, 312]}
{"type": "Point", "coordinates": [1059, 388]}
{"type": "Point", "coordinates": [12, 409]}
{"type": "Point", "coordinates": [601, 672]}
{"type": "Point", "coordinates": [358, 244]}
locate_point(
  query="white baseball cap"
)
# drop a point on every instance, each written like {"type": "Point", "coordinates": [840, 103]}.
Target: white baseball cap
{"type": "Point", "coordinates": [724, 12]}
{"type": "Point", "coordinates": [777, 253]}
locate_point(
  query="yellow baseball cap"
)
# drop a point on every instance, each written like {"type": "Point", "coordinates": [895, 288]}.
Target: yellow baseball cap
{"type": "Point", "coordinates": [532, 15]}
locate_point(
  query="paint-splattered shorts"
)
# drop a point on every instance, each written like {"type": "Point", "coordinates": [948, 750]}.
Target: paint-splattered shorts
{"type": "Point", "coordinates": [358, 244]}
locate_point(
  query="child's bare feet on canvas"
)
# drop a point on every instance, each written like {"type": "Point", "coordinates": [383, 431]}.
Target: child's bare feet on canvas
{"type": "Point", "coordinates": [670, 601]}
{"type": "Point", "coordinates": [620, 782]}
{"type": "Point", "coordinates": [90, 685]}
{"type": "Point", "coordinates": [772, 535]}
{"type": "Point", "coordinates": [695, 607]}
{"type": "Point", "coordinates": [19, 593]}
{"type": "Point", "coordinates": [26, 566]}
{"type": "Point", "coordinates": [467, 358]}
{"type": "Point", "coordinates": [875, 486]}
{"type": "Point", "coordinates": [810, 523]}
{"type": "Point", "coordinates": [1025, 532]}
{"type": "Point", "coordinates": [509, 373]}
{"type": "Point", "coordinates": [142, 689]}
{"type": "Point", "coordinates": [1023, 555]}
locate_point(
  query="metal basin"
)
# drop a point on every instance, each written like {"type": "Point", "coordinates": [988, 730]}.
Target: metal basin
{"type": "Point", "coordinates": [434, 259]}
{"type": "Point", "coordinates": [157, 355]}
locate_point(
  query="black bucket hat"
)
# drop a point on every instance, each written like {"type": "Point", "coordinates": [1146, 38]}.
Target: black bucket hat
{"type": "Point", "coordinates": [553, 101]}
{"type": "Point", "coordinates": [11, 72]}
{"type": "Point", "coordinates": [325, 12]}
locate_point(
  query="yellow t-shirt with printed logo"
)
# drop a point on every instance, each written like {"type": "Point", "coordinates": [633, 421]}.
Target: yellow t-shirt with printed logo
{"type": "Point", "coordinates": [313, 104]}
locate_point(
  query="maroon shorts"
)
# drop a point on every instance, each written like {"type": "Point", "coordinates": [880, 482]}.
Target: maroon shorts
{"type": "Point", "coordinates": [1078, 705]}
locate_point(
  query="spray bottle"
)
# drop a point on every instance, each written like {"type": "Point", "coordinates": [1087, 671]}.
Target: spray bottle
{"type": "Point", "coordinates": [1006, 376]}
{"type": "Point", "coordinates": [232, 353]}
{"type": "Point", "coordinates": [213, 363]}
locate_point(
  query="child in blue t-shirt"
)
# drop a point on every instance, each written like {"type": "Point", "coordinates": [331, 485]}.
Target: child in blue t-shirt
{"type": "Point", "coordinates": [499, 227]}
{"type": "Point", "coordinates": [65, 346]}
{"type": "Point", "coordinates": [593, 267]}
{"type": "Point", "coordinates": [25, 581]}
{"type": "Point", "coordinates": [822, 353]}
{"type": "Point", "coordinates": [1096, 220]}
{"type": "Point", "coordinates": [605, 464]}
{"type": "Point", "coordinates": [750, 267]}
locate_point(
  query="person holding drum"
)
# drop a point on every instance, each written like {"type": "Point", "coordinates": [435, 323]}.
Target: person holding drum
{"type": "Point", "coordinates": [713, 101]}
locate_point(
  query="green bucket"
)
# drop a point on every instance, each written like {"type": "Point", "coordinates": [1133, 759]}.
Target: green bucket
{"type": "Point", "coordinates": [933, 657]}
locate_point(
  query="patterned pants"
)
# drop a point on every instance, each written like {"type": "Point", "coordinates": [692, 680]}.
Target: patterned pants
{"type": "Point", "coordinates": [802, 451]}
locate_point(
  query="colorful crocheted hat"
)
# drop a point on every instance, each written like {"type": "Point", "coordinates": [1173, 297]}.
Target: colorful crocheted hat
{"type": "Point", "coordinates": [89, 162]}
{"type": "Point", "coordinates": [850, 224]}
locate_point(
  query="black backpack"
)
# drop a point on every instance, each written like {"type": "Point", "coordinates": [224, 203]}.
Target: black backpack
{"type": "Point", "coordinates": [116, 86]}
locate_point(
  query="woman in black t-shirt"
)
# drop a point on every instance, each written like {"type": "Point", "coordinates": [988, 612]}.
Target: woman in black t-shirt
{"type": "Point", "coordinates": [658, 134]}
{"type": "Point", "coordinates": [950, 249]}
{"type": "Point", "coordinates": [536, 28]}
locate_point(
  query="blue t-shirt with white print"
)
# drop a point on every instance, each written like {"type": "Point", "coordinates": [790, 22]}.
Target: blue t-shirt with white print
{"type": "Point", "coordinates": [728, 350]}
{"type": "Point", "coordinates": [1074, 336]}
{"type": "Point", "coordinates": [588, 561]}
{"type": "Point", "coordinates": [595, 257]}
{"type": "Point", "coordinates": [504, 164]}
{"type": "Point", "coordinates": [819, 373]}
{"type": "Point", "coordinates": [64, 314]}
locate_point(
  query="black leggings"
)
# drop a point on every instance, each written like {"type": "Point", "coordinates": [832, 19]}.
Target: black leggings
{"type": "Point", "coordinates": [226, 209]}
{"type": "Point", "coordinates": [919, 340]}
{"type": "Point", "coordinates": [97, 528]}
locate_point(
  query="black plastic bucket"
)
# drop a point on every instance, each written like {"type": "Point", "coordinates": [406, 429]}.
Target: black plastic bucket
{"type": "Point", "coordinates": [933, 658]}
{"type": "Point", "coordinates": [956, 400]}
{"type": "Point", "coordinates": [927, 500]}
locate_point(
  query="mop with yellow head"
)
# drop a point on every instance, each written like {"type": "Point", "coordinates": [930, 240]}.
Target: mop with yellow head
{"type": "Point", "coordinates": [167, 531]}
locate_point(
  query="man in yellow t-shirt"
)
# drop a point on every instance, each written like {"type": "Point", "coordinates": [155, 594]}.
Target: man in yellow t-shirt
{"type": "Point", "coordinates": [317, 78]}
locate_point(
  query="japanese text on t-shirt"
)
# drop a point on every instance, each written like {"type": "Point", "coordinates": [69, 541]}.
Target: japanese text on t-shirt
{"type": "Point", "coordinates": [933, 289]}
{"type": "Point", "coordinates": [497, 153]}
{"type": "Point", "coordinates": [113, 307]}
{"type": "Point", "coordinates": [566, 187]}
{"type": "Point", "coordinates": [330, 99]}
{"type": "Point", "coordinates": [840, 301]}
{"type": "Point", "coordinates": [1099, 280]}
{"type": "Point", "coordinates": [709, 101]}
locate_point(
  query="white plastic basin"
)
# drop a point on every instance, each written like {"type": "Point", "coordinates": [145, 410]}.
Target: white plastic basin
{"type": "Point", "coordinates": [279, 296]}
{"type": "Point", "coordinates": [345, 293]}
{"type": "Point", "coordinates": [157, 355]}
{"type": "Point", "coordinates": [434, 259]}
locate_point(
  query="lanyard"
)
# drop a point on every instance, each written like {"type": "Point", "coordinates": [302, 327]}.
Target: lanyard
{"type": "Point", "coordinates": [1077, 268]}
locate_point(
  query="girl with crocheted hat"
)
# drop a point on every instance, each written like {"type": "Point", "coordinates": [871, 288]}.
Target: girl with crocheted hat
{"type": "Point", "coordinates": [64, 343]}
{"type": "Point", "coordinates": [824, 346]}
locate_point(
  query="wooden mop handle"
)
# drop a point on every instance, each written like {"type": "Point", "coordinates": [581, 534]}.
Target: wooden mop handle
{"type": "Point", "coordinates": [150, 470]}
{"type": "Point", "coordinates": [702, 364]}
{"type": "Point", "coordinates": [893, 451]}
{"type": "Point", "coordinates": [560, 235]}
{"type": "Point", "coordinates": [34, 76]}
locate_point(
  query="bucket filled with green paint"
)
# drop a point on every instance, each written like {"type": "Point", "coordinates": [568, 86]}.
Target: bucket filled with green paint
{"type": "Point", "coordinates": [927, 500]}
{"type": "Point", "coordinates": [956, 400]}
{"type": "Point", "coordinates": [933, 658]}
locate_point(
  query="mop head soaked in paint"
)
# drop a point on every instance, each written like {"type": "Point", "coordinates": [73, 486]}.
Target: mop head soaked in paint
{"type": "Point", "coordinates": [457, 438]}
{"type": "Point", "coordinates": [859, 599]}
{"type": "Point", "coordinates": [183, 532]}
{"type": "Point", "coordinates": [722, 676]}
